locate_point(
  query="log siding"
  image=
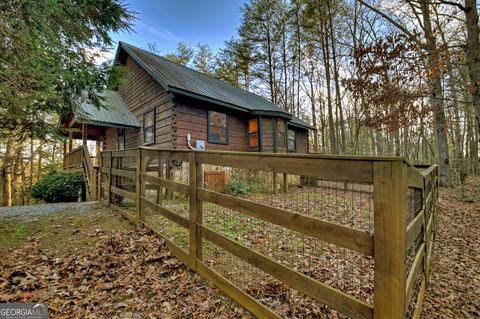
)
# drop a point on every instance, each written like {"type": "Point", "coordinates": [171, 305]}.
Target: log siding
{"type": "Point", "coordinates": [177, 115]}
{"type": "Point", "coordinates": [142, 93]}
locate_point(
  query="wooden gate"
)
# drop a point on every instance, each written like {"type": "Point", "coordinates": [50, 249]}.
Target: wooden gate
{"type": "Point", "coordinates": [215, 180]}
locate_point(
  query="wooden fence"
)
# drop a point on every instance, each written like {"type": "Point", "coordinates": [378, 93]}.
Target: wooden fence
{"type": "Point", "coordinates": [400, 245]}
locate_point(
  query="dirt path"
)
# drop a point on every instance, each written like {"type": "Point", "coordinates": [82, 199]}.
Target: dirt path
{"type": "Point", "coordinates": [454, 286]}
{"type": "Point", "coordinates": [32, 212]}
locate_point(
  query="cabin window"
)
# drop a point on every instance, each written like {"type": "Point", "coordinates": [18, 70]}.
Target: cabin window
{"type": "Point", "coordinates": [291, 141]}
{"type": "Point", "coordinates": [217, 128]}
{"type": "Point", "coordinates": [120, 139]}
{"type": "Point", "coordinates": [253, 134]}
{"type": "Point", "coordinates": [149, 127]}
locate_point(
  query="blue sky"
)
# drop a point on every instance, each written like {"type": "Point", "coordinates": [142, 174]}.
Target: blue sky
{"type": "Point", "coordinates": [167, 22]}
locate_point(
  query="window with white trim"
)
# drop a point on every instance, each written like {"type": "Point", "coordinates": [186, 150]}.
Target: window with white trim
{"type": "Point", "coordinates": [149, 127]}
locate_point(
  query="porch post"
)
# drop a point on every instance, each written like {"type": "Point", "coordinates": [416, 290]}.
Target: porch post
{"type": "Point", "coordinates": [97, 152]}
{"type": "Point", "coordinates": [70, 141]}
{"type": "Point", "coordinates": [84, 135]}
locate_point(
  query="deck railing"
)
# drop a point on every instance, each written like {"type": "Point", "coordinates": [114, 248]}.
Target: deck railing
{"type": "Point", "coordinates": [73, 160]}
{"type": "Point", "coordinates": [79, 160]}
{"type": "Point", "coordinates": [352, 233]}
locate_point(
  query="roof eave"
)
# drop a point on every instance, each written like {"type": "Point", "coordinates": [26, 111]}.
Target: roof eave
{"type": "Point", "coordinates": [106, 124]}
{"type": "Point", "coordinates": [285, 115]}
{"type": "Point", "coordinates": [206, 99]}
{"type": "Point", "coordinates": [306, 127]}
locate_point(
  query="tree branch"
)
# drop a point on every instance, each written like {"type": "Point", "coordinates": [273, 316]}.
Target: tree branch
{"type": "Point", "coordinates": [458, 5]}
{"type": "Point", "coordinates": [394, 23]}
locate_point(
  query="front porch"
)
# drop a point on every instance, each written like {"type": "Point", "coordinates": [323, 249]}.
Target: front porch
{"type": "Point", "coordinates": [89, 125]}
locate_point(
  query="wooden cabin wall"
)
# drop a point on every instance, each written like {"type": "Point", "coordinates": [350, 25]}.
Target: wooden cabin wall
{"type": "Point", "coordinates": [266, 134]}
{"type": "Point", "coordinates": [191, 116]}
{"type": "Point", "coordinates": [281, 143]}
{"type": "Point", "coordinates": [110, 139]}
{"type": "Point", "coordinates": [142, 93]}
{"type": "Point", "coordinates": [302, 140]}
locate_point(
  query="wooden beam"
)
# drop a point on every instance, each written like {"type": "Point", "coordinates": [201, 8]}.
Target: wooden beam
{"type": "Point", "coordinates": [123, 193]}
{"type": "Point", "coordinates": [168, 214]}
{"type": "Point", "coordinates": [275, 182]}
{"type": "Point", "coordinates": [123, 173]}
{"type": "Point", "coordinates": [330, 296]}
{"type": "Point", "coordinates": [179, 155]}
{"type": "Point", "coordinates": [70, 141]}
{"type": "Point", "coordinates": [413, 229]}
{"type": "Point", "coordinates": [97, 152]}
{"type": "Point", "coordinates": [158, 181]}
{"type": "Point", "coordinates": [350, 170]}
{"type": "Point", "coordinates": [339, 235]}
{"type": "Point", "coordinates": [195, 245]}
{"type": "Point", "coordinates": [390, 206]}
{"type": "Point", "coordinates": [244, 299]}
{"type": "Point", "coordinates": [84, 135]}
{"type": "Point", "coordinates": [285, 182]}
{"type": "Point", "coordinates": [419, 304]}
{"type": "Point", "coordinates": [138, 187]}
{"type": "Point", "coordinates": [177, 250]}
{"type": "Point", "coordinates": [413, 273]}
{"type": "Point", "coordinates": [109, 189]}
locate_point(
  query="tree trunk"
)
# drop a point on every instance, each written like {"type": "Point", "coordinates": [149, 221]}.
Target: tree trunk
{"type": "Point", "coordinates": [40, 159]}
{"type": "Point", "coordinates": [331, 124]}
{"type": "Point", "coordinates": [473, 54]}
{"type": "Point", "coordinates": [336, 78]}
{"type": "Point", "coordinates": [7, 169]}
{"type": "Point", "coordinates": [436, 97]}
{"type": "Point", "coordinates": [314, 112]}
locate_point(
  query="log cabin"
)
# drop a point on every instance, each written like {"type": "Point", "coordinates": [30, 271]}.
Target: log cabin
{"type": "Point", "coordinates": [166, 105]}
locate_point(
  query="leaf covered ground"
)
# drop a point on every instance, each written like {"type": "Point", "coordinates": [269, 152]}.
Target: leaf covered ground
{"type": "Point", "coordinates": [95, 265]}
{"type": "Point", "coordinates": [84, 267]}
{"type": "Point", "coordinates": [454, 285]}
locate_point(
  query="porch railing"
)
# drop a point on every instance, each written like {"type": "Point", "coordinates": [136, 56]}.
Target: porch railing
{"type": "Point", "coordinates": [79, 160]}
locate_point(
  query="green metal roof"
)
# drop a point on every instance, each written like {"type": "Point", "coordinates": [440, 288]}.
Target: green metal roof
{"type": "Point", "coordinates": [115, 113]}
{"type": "Point", "coordinates": [180, 79]}
{"type": "Point", "coordinates": [295, 121]}
{"type": "Point", "coordinates": [183, 80]}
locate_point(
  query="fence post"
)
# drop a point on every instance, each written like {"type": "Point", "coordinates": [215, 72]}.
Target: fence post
{"type": "Point", "coordinates": [390, 206]}
{"type": "Point", "coordinates": [285, 182]}
{"type": "Point", "coordinates": [425, 224]}
{"type": "Point", "coordinates": [195, 210]}
{"type": "Point", "coordinates": [138, 186]}
{"type": "Point", "coordinates": [429, 236]}
{"type": "Point", "coordinates": [275, 182]}
{"type": "Point", "coordinates": [160, 174]}
{"type": "Point", "coordinates": [109, 189]}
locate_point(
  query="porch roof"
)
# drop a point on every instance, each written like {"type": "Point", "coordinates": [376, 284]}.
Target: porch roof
{"type": "Point", "coordinates": [115, 113]}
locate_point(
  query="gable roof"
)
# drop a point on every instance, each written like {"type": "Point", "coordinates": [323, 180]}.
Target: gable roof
{"type": "Point", "coordinates": [114, 113]}
{"type": "Point", "coordinates": [183, 80]}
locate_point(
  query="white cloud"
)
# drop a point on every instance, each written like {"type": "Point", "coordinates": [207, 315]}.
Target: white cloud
{"type": "Point", "coordinates": [163, 34]}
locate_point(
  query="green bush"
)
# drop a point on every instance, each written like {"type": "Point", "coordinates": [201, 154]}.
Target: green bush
{"type": "Point", "coordinates": [238, 187]}
{"type": "Point", "coordinates": [58, 187]}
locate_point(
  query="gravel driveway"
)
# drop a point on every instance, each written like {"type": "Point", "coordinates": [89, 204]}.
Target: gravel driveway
{"type": "Point", "coordinates": [32, 212]}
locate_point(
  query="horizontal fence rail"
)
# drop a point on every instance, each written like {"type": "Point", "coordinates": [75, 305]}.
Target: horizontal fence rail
{"type": "Point", "coordinates": [352, 233]}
